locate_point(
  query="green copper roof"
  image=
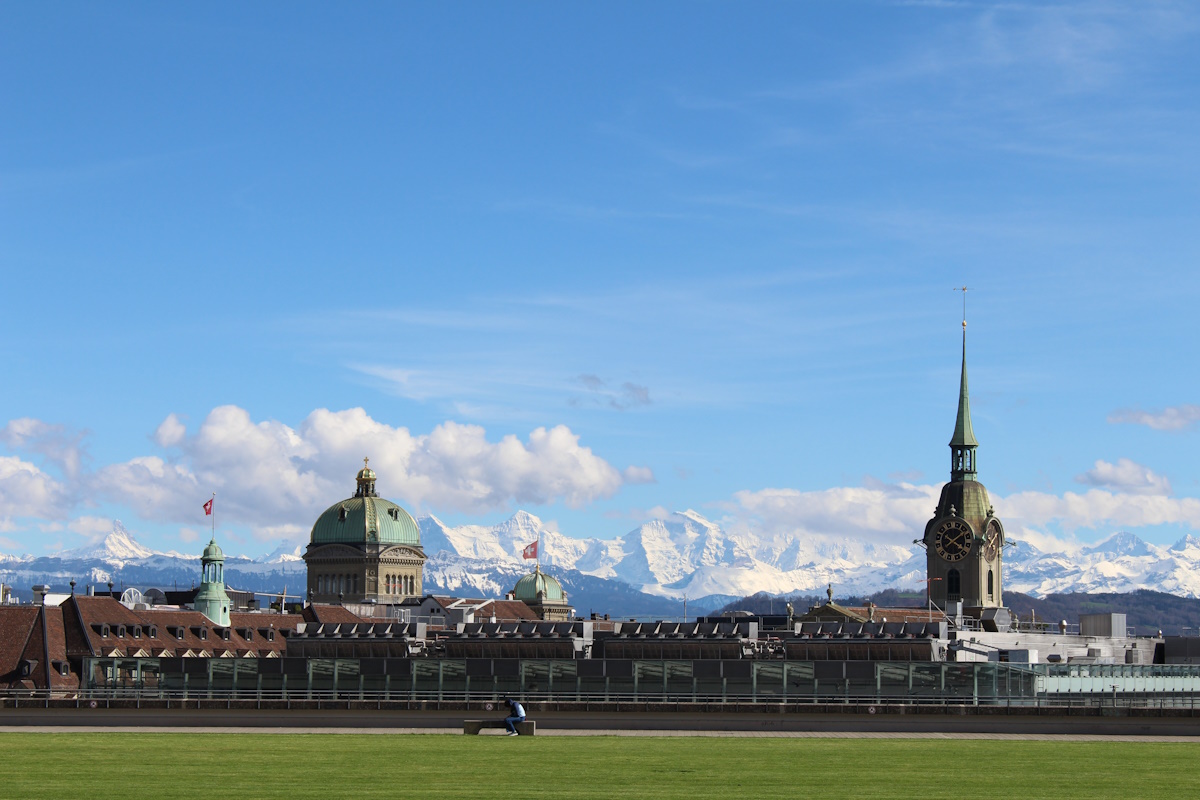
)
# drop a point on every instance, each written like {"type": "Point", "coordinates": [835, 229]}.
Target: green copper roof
{"type": "Point", "coordinates": [970, 501]}
{"type": "Point", "coordinates": [366, 518]}
{"type": "Point", "coordinates": [528, 588]}
{"type": "Point", "coordinates": [963, 435]}
{"type": "Point", "coordinates": [359, 520]}
{"type": "Point", "coordinates": [213, 552]}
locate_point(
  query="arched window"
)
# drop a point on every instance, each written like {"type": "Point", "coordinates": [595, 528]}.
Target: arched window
{"type": "Point", "coordinates": [991, 585]}
{"type": "Point", "coordinates": [953, 585]}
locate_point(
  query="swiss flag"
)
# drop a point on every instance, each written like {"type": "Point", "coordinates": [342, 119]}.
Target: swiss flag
{"type": "Point", "coordinates": [530, 550]}
{"type": "Point", "coordinates": [208, 507]}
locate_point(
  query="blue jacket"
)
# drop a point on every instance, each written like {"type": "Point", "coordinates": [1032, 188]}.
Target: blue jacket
{"type": "Point", "coordinates": [517, 709]}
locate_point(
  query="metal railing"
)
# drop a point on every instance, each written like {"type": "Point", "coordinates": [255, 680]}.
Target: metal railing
{"type": "Point", "coordinates": [106, 697]}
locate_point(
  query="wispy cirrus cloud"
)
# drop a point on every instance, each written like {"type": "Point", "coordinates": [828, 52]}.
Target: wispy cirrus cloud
{"type": "Point", "coordinates": [622, 398]}
{"type": "Point", "coordinates": [1171, 418]}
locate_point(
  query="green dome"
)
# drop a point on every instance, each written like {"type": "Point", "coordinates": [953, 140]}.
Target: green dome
{"type": "Point", "coordinates": [359, 520]}
{"type": "Point", "coordinates": [213, 552]}
{"type": "Point", "coordinates": [528, 588]}
{"type": "Point", "coordinates": [365, 518]}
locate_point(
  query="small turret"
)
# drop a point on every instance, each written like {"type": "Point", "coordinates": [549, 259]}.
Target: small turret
{"type": "Point", "coordinates": [211, 600]}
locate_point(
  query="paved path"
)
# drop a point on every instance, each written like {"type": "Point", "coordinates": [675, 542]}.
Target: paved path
{"type": "Point", "coordinates": [1040, 737]}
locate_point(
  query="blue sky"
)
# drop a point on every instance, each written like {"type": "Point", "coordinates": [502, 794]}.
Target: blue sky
{"type": "Point", "coordinates": [597, 262]}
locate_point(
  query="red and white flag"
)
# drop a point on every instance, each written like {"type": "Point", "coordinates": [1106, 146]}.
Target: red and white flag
{"type": "Point", "coordinates": [530, 550]}
{"type": "Point", "coordinates": [208, 507]}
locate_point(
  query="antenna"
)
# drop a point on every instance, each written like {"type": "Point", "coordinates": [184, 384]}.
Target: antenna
{"type": "Point", "coordinates": [963, 289]}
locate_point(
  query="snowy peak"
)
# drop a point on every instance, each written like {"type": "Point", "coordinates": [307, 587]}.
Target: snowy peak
{"type": "Point", "coordinates": [285, 552]}
{"type": "Point", "coordinates": [117, 547]}
{"type": "Point", "coordinates": [1121, 544]}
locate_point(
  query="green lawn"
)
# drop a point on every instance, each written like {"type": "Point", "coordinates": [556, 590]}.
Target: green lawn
{"type": "Point", "coordinates": [124, 765]}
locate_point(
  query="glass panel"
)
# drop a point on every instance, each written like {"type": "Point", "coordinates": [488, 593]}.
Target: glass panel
{"type": "Point", "coordinates": [535, 677]}
{"type": "Point", "coordinates": [649, 678]}
{"type": "Point", "coordinates": [769, 680]}
{"type": "Point", "coordinates": [426, 674]}
{"type": "Point", "coordinates": [679, 679]}
{"type": "Point", "coordinates": [321, 670]}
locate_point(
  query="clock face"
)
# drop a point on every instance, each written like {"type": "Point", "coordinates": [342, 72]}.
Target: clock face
{"type": "Point", "coordinates": [952, 540]}
{"type": "Point", "coordinates": [991, 541]}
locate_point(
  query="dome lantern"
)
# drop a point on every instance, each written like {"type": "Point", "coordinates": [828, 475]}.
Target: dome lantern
{"type": "Point", "coordinates": [366, 481]}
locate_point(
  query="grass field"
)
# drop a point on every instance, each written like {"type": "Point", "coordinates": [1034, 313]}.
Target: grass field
{"type": "Point", "coordinates": [125, 765]}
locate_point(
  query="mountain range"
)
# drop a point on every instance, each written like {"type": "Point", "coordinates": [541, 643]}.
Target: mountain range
{"type": "Point", "coordinates": [652, 570]}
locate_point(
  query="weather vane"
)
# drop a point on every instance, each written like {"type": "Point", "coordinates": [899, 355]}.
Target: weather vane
{"type": "Point", "coordinates": [963, 289]}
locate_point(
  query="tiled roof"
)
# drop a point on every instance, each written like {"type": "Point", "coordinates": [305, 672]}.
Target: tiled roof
{"type": "Point", "coordinates": [175, 632]}
{"type": "Point", "coordinates": [505, 610]}
{"type": "Point", "coordinates": [317, 612]}
{"type": "Point", "coordinates": [16, 625]}
{"type": "Point", "coordinates": [56, 643]}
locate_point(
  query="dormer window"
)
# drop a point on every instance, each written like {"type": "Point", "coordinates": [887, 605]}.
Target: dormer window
{"type": "Point", "coordinates": [137, 631]}
{"type": "Point", "coordinates": [394, 513]}
{"type": "Point", "coordinates": [225, 634]}
{"type": "Point", "coordinates": [121, 631]}
{"type": "Point", "coordinates": [152, 631]}
{"type": "Point", "coordinates": [342, 514]}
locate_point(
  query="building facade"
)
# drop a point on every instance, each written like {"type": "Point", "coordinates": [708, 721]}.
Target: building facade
{"type": "Point", "coordinates": [364, 549]}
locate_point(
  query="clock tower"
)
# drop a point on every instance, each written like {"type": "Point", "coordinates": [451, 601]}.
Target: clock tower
{"type": "Point", "coordinates": [964, 541]}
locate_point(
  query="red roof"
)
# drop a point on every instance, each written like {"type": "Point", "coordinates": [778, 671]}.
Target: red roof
{"type": "Point", "coordinates": [316, 612]}
{"type": "Point", "coordinates": [103, 627]}
{"type": "Point", "coordinates": [16, 626]}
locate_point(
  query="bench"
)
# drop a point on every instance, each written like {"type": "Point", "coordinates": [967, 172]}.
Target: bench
{"type": "Point", "coordinates": [474, 726]}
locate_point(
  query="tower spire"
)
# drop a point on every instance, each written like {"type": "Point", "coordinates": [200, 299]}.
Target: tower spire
{"type": "Point", "coordinates": [963, 443]}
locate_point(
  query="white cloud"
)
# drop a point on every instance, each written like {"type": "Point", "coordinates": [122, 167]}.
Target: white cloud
{"type": "Point", "coordinates": [1045, 542]}
{"type": "Point", "coordinates": [1127, 476]}
{"type": "Point", "coordinates": [897, 513]}
{"type": "Point", "coordinates": [171, 432]}
{"type": "Point", "coordinates": [1171, 418]}
{"type": "Point", "coordinates": [1097, 508]}
{"type": "Point", "coordinates": [26, 491]}
{"type": "Point", "coordinates": [59, 444]}
{"type": "Point", "coordinates": [633, 474]}
{"type": "Point", "coordinates": [92, 529]}
{"type": "Point", "coordinates": [892, 512]}
{"type": "Point", "coordinates": [275, 479]}
{"type": "Point", "coordinates": [188, 535]}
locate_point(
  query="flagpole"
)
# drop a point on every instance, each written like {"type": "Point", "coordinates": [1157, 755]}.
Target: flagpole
{"type": "Point", "coordinates": [214, 516]}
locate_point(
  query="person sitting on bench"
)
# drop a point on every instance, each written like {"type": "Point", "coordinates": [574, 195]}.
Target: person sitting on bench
{"type": "Point", "coordinates": [518, 715]}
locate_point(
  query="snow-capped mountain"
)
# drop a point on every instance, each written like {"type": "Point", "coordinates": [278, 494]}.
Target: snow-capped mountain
{"type": "Point", "coordinates": [117, 548]}
{"type": "Point", "coordinates": [656, 565]}
{"type": "Point", "coordinates": [681, 555]}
